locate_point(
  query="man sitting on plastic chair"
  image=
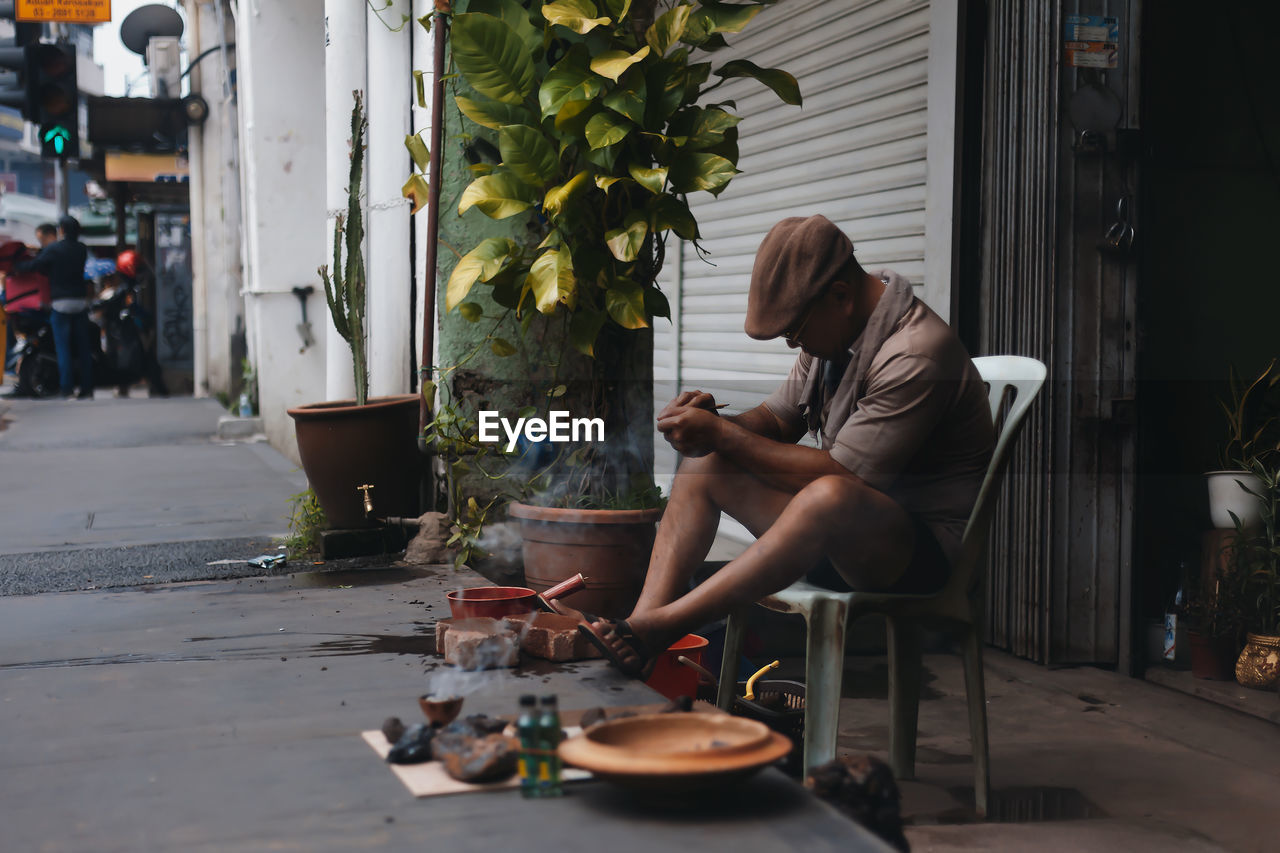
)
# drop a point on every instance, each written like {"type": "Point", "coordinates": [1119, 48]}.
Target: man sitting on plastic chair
{"type": "Point", "coordinates": [904, 432]}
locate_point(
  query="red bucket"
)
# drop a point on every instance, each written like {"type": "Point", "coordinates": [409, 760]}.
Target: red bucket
{"type": "Point", "coordinates": [673, 679]}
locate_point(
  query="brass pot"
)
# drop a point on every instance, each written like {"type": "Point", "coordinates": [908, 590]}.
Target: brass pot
{"type": "Point", "coordinates": [1259, 663]}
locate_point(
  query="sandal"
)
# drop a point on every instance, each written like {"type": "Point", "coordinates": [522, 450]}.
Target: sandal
{"type": "Point", "coordinates": [624, 632]}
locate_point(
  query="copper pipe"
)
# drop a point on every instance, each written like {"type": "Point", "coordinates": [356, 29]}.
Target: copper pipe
{"type": "Point", "coordinates": [440, 22]}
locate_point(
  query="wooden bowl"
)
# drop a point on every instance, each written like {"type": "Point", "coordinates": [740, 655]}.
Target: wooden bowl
{"type": "Point", "coordinates": [675, 752]}
{"type": "Point", "coordinates": [440, 710]}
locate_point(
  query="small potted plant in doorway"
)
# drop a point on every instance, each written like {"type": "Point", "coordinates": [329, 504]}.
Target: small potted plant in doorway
{"type": "Point", "coordinates": [348, 445]}
{"type": "Point", "coordinates": [1215, 619]}
{"type": "Point", "coordinates": [1253, 423]}
{"type": "Point", "coordinates": [1257, 569]}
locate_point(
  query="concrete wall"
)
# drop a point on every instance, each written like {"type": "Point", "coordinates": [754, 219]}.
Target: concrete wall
{"type": "Point", "coordinates": [281, 88]}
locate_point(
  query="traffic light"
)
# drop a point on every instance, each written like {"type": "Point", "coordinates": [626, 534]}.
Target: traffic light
{"type": "Point", "coordinates": [55, 98]}
{"type": "Point", "coordinates": [15, 79]}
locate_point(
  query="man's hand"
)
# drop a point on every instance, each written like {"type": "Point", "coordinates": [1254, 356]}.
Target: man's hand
{"type": "Point", "coordinates": [690, 429]}
{"type": "Point", "coordinates": [696, 399]}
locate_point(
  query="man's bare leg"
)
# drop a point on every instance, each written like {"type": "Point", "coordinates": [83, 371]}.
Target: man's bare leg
{"type": "Point", "coordinates": [703, 488]}
{"type": "Point", "coordinates": [868, 536]}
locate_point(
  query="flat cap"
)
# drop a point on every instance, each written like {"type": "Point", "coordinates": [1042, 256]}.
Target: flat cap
{"type": "Point", "coordinates": [798, 258]}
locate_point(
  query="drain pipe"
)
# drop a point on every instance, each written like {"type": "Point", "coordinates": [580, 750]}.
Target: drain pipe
{"type": "Point", "coordinates": [439, 24]}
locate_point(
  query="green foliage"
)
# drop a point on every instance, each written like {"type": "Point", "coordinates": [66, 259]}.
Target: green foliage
{"type": "Point", "coordinates": [1253, 419]}
{"type": "Point", "coordinates": [248, 384]}
{"type": "Point", "coordinates": [345, 289]}
{"type": "Point", "coordinates": [600, 132]}
{"type": "Point", "coordinates": [306, 520]}
{"type": "Point", "coordinates": [1257, 554]}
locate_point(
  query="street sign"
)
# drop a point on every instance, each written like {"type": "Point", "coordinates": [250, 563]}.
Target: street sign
{"type": "Point", "coordinates": [66, 11]}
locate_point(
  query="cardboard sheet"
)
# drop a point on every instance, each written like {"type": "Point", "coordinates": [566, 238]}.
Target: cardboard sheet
{"type": "Point", "coordinates": [429, 779]}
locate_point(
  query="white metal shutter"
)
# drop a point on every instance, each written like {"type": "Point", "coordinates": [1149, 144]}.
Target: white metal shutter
{"type": "Point", "coordinates": [855, 152]}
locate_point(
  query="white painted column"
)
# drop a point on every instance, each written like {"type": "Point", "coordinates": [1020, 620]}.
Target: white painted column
{"type": "Point", "coordinates": [280, 50]}
{"type": "Point", "coordinates": [388, 164]}
{"type": "Point", "coordinates": [344, 72]}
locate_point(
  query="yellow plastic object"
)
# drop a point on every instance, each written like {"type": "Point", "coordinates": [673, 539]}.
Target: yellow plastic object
{"type": "Point", "coordinates": [751, 682]}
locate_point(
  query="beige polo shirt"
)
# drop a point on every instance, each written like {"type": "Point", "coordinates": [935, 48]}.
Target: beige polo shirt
{"type": "Point", "coordinates": [921, 432]}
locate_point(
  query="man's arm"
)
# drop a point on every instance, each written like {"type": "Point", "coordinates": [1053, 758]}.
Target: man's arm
{"type": "Point", "coordinates": [747, 440]}
{"type": "Point", "coordinates": [40, 263]}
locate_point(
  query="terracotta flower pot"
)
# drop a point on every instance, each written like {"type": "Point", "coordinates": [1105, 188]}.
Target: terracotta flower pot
{"type": "Point", "coordinates": [344, 446]}
{"type": "Point", "coordinates": [610, 547]}
{"type": "Point", "coordinates": [1259, 663]}
{"type": "Point", "coordinates": [1213, 658]}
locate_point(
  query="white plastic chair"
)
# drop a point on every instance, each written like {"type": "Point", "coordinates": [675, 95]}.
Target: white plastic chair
{"type": "Point", "coordinates": [957, 607]}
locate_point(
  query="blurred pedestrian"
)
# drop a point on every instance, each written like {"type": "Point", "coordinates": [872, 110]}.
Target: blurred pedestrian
{"type": "Point", "coordinates": [63, 262]}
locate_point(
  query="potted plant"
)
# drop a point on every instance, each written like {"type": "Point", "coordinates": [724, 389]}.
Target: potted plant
{"type": "Point", "coordinates": [348, 445]}
{"type": "Point", "coordinates": [603, 125]}
{"type": "Point", "coordinates": [1253, 433]}
{"type": "Point", "coordinates": [1215, 618]}
{"type": "Point", "coordinates": [1257, 570]}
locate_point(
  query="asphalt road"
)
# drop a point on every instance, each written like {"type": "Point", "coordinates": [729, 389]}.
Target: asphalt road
{"type": "Point", "coordinates": [119, 492]}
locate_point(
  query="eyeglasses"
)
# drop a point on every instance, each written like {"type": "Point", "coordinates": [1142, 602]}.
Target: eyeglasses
{"type": "Point", "coordinates": [790, 336]}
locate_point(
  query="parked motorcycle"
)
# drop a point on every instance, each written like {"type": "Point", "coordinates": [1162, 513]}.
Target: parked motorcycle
{"type": "Point", "coordinates": [37, 359]}
{"type": "Point", "coordinates": [127, 351]}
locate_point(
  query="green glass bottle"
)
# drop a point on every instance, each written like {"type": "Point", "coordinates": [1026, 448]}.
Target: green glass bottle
{"type": "Point", "coordinates": [549, 732]}
{"type": "Point", "coordinates": [529, 765]}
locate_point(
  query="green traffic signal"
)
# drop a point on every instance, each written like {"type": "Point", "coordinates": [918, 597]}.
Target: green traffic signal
{"type": "Point", "coordinates": [57, 136]}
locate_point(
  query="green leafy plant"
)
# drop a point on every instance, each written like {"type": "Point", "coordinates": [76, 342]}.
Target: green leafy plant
{"type": "Point", "coordinates": [1253, 419]}
{"type": "Point", "coordinates": [599, 121]}
{"type": "Point", "coordinates": [600, 132]}
{"type": "Point", "coordinates": [1216, 608]}
{"type": "Point", "coordinates": [1257, 553]}
{"type": "Point", "coordinates": [248, 384]}
{"type": "Point", "coordinates": [345, 289]}
{"type": "Point", "coordinates": [306, 521]}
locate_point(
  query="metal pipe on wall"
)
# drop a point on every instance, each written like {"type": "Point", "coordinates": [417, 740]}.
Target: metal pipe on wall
{"type": "Point", "coordinates": [440, 22]}
{"type": "Point", "coordinates": [199, 255]}
{"type": "Point", "coordinates": [344, 72]}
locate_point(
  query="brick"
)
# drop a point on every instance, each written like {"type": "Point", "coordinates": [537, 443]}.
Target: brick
{"type": "Point", "coordinates": [478, 643]}
{"type": "Point", "coordinates": [552, 636]}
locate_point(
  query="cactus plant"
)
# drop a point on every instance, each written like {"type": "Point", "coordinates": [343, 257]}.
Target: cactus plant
{"type": "Point", "coordinates": [345, 289]}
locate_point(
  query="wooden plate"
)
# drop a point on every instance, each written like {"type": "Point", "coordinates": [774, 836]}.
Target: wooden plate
{"type": "Point", "coordinates": [675, 752]}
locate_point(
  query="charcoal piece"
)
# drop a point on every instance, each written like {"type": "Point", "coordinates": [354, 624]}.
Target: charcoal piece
{"type": "Point", "coordinates": [392, 729]}
{"type": "Point", "coordinates": [477, 725]}
{"type": "Point", "coordinates": [483, 725]}
{"type": "Point", "coordinates": [863, 788]}
{"type": "Point", "coordinates": [491, 758]}
{"type": "Point", "coordinates": [592, 717]}
{"type": "Point", "coordinates": [414, 746]}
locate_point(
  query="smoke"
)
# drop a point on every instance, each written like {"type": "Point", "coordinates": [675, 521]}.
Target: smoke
{"type": "Point", "coordinates": [503, 543]}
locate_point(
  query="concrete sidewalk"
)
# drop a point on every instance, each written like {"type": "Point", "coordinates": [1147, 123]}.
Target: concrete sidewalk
{"type": "Point", "coordinates": [225, 716]}
{"type": "Point", "coordinates": [105, 492]}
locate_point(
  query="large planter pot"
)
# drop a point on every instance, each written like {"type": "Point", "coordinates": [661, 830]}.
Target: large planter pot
{"type": "Point", "coordinates": [1259, 663]}
{"type": "Point", "coordinates": [610, 547]}
{"type": "Point", "coordinates": [1226, 497]}
{"type": "Point", "coordinates": [344, 446]}
{"type": "Point", "coordinates": [1213, 658]}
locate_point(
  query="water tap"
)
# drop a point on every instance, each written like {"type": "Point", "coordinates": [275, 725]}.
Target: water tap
{"type": "Point", "coordinates": [368, 501]}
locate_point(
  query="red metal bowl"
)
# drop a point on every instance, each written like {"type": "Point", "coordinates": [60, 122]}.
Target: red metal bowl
{"type": "Point", "coordinates": [492, 601]}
